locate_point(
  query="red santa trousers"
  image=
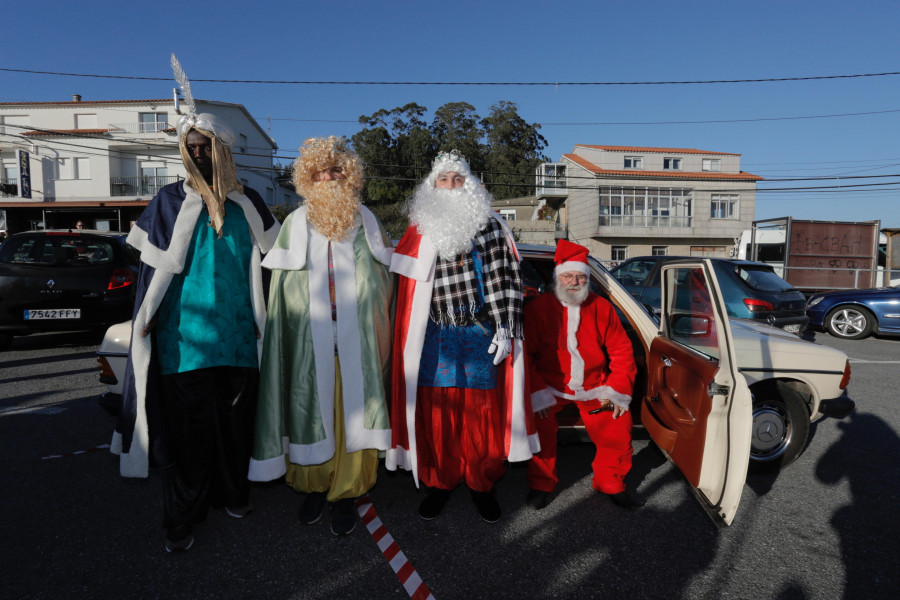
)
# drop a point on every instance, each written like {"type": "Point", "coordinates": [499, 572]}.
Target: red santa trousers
{"type": "Point", "coordinates": [612, 437]}
{"type": "Point", "coordinates": [459, 435]}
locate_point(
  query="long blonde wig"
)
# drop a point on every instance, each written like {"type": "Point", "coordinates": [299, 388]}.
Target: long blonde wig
{"type": "Point", "coordinates": [224, 177]}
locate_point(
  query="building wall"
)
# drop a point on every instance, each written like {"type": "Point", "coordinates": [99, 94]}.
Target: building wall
{"type": "Point", "coordinates": [705, 235]}
{"type": "Point", "coordinates": [123, 153]}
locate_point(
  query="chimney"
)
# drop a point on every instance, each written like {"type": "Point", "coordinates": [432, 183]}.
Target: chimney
{"type": "Point", "coordinates": [76, 97]}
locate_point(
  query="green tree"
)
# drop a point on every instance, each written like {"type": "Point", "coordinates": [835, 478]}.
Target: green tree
{"type": "Point", "coordinates": [456, 126]}
{"type": "Point", "coordinates": [514, 149]}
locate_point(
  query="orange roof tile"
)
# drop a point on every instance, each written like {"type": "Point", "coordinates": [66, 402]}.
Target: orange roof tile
{"type": "Point", "coordinates": [639, 173]}
{"type": "Point", "coordinates": [660, 150]}
{"type": "Point", "coordinates": [67, 132]}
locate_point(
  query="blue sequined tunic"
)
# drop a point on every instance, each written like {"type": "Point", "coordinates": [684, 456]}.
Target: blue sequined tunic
{"type": "Point", "coordinates": [457, 356]}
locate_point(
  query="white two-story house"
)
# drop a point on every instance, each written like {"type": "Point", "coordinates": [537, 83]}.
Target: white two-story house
{"type": "Point", "coordinates": [624, 201]}
{"type": "Point", "coordinates": [102, 161]}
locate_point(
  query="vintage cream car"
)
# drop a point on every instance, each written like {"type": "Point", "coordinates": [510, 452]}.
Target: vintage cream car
{"type": "Point", "coordinates": [715, 394]}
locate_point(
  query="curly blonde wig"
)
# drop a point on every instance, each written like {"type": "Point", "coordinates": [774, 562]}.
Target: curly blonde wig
{"type": "Point", "coordinates": [318, 154]}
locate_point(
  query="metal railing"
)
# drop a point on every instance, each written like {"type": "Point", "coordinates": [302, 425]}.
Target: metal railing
{"type": "Point", "coordinates": [138, 127]}
{"type": "Point", "coordinates": [9, 188]}
{"type": "Point", "coordinates": [142, 185]}
{"type": "Point", "coordinates": [835, 278]}
{"type": "Point", "coordinates": [642, 221]}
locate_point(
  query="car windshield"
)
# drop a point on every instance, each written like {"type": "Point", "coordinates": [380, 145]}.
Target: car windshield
{"type": "Point", "coordinates": [57, 250]}
{"type": "Point", "coordinates": [763, 279]}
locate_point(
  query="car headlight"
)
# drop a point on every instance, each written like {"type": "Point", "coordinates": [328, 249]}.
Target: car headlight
{"type": "Point", "coordinates": [813, 302]}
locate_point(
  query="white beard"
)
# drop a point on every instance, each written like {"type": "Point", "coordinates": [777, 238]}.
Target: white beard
{"type": "Point", "coordinates": [451, 218]}
{"type": "Point", "coordinates": [571, 294]}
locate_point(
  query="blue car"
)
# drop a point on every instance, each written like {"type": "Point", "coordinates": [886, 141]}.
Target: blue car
{"type": "Point", "coordinates": [854, 314]}
{"type": "Point", "coordinates": [751, 290]}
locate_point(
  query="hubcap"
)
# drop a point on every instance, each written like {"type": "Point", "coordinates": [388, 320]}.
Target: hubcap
{"type": "Point", "coordinates": [769, 433]}
{"type": "Point", "coordinates": [848, 322]}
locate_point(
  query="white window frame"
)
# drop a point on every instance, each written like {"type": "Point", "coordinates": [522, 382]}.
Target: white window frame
{"type": "Point", "coordinates": [671, 163]}
{"type": "Point", "coordinates": [724, 207]}
{"type": "Point", "coordinates": [634, 162]}
{"type": "Point", "coordinates": [159, 122]}
{"type": "Point", "coordinates": [712, 164]}
{"type": "Point", "coordinates": [618, 253]}
{"type": "Point", "coordinates": [79, 119]}
{"type": "Point", "coordinates": [659, 251]}
{"type": "Point", "coordinates": [508, 214]}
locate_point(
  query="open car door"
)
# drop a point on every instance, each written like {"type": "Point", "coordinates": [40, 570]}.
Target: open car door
{"type": "Point", "coordinates": [698, 408]}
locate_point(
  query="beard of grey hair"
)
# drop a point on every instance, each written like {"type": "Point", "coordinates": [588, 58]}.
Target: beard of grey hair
{"type": "Point", "coordinates": [332, 207]}
{"type": "Point", "coordinates": [570, 297]}
{"type": "Point", "coordinates": [451, 218]}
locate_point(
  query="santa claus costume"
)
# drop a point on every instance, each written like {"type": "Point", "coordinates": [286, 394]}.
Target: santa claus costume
{"type": "Point", "coordinates": [458, 373]}
{"type": "Point", "coordinates": [579, 353]}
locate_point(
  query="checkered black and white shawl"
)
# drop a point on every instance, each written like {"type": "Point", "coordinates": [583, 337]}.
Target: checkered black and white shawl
{"type": "Point", "coordinates": [455, 300]}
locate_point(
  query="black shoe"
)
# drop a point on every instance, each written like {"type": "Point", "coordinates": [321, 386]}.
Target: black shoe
{"type": "Point", "coordinates": [487, 505]}
{"type": "Point", "coordinates": [537, 499]}
{"type": "Point", "coordinates": [434, 503]}
{"type": "Point", "coordinates": [625, 500]}
{"type": "Point", "coordinates": [343, 516]}
{"type": "Point", "coordinates": [312, 508]}
{"type": "Point", "coordinates": [179, 539]}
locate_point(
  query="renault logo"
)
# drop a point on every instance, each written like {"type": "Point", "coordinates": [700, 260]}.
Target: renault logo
{"type": "Point", "coordinates": [50, 284]}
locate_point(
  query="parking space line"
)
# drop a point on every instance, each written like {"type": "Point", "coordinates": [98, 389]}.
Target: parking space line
{"type": "Point", "coordinates": [77, 452]}
{"type": "Point", "coordinates": [404, 570]}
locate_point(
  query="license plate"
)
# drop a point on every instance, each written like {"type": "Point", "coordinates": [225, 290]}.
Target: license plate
{"type": "Point", "coordinates": [56, 313]}
{"type": "Point", "coordinates": [792, 328]}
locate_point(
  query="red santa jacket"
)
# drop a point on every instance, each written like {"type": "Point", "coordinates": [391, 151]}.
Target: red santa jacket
{"type": "Point", "coordinates": [577, 352]}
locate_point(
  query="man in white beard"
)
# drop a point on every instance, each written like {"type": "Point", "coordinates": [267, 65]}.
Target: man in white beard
{"type": "Point", "coordinates": [579, 353]}
{"type": "Point", "coordinates": [327, 343]}
{"type": "Point", "coordinates": [458, 404]}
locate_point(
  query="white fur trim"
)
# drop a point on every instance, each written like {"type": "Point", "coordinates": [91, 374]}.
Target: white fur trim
{"type": "Point", "coordinates": [420, 267]}
{"type": "Point", "coordinates": [269, 468]}
{"type": "Point", "coordinates": [572, 265]}
{"type": "Point", "coordinates": [172, 259]}
{"type": "Point", "coordinates": [576, 366]}
{"type": "Point", "coordinates": [374, 237]}
{"type": "Point", "coordinates": [292, 258]}
{"type": "Point", "coordinates": [542, 399]}
{"type": "Point", "coordinates": [597, 393]}
{"type": "Point", "coordinates": [264, 238]}
{"type": "Point", "coordinates": [412, 354]}
{"type": "Point", "coordinates": [521, 446]}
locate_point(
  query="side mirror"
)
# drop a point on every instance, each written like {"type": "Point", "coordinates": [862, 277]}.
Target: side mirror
{"type": "Point", "coordinates": [686, 325]}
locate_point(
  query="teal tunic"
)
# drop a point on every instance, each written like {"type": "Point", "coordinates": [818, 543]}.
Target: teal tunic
{"type": "Point", "coordinates": [206, 318]}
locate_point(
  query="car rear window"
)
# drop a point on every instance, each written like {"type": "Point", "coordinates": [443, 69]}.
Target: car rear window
{"type": "Point", "coordinates": [763, 279]}
{"type": "Point", "coordinates": [57, 250]}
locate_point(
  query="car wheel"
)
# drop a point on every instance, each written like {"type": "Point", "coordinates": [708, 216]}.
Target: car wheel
{"type": "Point", "coordinates": [849, 322]}
{"type": "Point", "coordinates": [780, 427]}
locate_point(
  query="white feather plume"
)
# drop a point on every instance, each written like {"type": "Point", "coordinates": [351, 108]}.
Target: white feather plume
{"type": "Point", "coordinates": [184, 84]}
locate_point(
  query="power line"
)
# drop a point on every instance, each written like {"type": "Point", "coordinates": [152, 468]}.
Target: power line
{"type": "Point", "coordinates": [466, 83]}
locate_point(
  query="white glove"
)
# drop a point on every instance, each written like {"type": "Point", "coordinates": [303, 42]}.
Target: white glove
{"type": "Point", "coordinates": [500, 348]}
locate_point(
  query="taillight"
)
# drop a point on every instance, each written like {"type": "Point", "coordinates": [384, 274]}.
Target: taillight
{"type": "Point", "coordinates": [754, 305]}
{"type": "Point", "coordinates": [120, 278]}
{"type": "Point", "coordinates": [845, 380]}
{"type": "Point", "coordinates": [106, 373]}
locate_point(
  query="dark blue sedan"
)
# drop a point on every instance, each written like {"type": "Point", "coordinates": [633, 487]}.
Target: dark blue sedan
{"type": "Point", "coordinates": [854, 314]}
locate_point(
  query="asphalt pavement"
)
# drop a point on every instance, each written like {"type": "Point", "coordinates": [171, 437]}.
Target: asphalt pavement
{"type": "Point", "coordinates": [824, 528]}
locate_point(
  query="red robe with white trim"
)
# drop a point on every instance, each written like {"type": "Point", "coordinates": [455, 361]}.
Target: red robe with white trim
{"type": "Point", "coordinates": [577, 352]}
{"type": "Point", "coordinates": [414, 261]}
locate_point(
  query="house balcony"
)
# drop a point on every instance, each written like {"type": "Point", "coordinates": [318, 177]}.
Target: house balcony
{"type": "Point", "coordinates": [140, 185]}
{"type": "Point", "coordinates": [136, 128]}
{"type": "Point", "coordinates": [654, 221]}
{"type": "Point", "coordinates": [552, 188]}
{"type": "Point", "coordinates": [9, 188]}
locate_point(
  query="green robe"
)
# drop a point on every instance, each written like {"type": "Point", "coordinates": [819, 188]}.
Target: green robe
{"type": "Point", "coordinates": [295, 414]}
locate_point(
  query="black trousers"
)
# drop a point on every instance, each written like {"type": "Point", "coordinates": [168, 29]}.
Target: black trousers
{"type": "Point", "coordinates": [209, 420]}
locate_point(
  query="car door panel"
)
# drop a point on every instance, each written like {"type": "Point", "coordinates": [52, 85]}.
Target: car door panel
{"type": "Point", "coordinates": [698, 406]}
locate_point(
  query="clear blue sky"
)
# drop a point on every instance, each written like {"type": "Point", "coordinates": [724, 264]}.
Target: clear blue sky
{"type": "Point", "coordinates": [524, 41]}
